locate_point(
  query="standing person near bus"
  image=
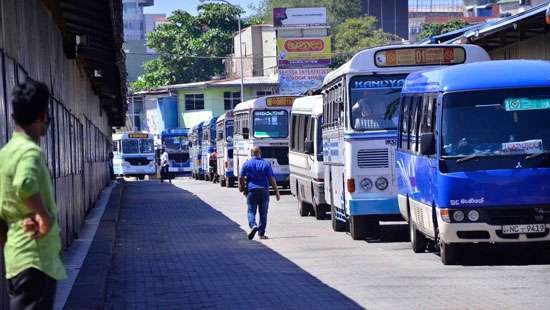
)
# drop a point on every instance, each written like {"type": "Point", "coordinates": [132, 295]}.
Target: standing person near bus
{"type": "Point", "coordinates": [255, 187]}
{"type": "Point", "coordinates": [32, 250]}
{"type": "Point", "coordinates": [165, 167]}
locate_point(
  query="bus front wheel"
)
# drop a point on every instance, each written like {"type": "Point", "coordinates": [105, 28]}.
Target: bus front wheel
{"type": "Point", "coordinates": [448, 253]}
{"type": "Point", "coordinates": [418, 240]}
{"type": "Point", "coordinates": [337, 225]}
{"type": "Point", "coordinates": [304, 208]}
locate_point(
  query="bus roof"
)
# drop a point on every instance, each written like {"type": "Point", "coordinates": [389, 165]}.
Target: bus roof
{"type": "Point", "coordinates": [482, 75]}
{"type": "Point", "coordinates": [364, 61]}
{"type": "Point", "coordinates": [308, 105]}
{"type": "Point", "coordinates": [262, 103]}
{"type": "Point", "coordinates": [225, 116]}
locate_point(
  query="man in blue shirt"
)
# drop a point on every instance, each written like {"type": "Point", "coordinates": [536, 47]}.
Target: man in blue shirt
{"type": "Point", "coordinates": [259, 175]}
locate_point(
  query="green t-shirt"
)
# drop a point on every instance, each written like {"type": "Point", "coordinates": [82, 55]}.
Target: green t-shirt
{"type": "Point", "coordinates": [23, 173]}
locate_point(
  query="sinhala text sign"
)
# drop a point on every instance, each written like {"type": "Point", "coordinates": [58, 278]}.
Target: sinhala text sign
{"type": "Point", "coordinates": [303, 52]}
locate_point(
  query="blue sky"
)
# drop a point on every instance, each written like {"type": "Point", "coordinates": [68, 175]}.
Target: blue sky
{"type": "Point", "coordinates": [168, 6]}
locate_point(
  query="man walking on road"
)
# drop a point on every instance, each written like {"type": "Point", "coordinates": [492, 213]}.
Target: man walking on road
{"type": "Point", "coordinates": [32, 250]}
{"type": "Point", "coordinates": [165, 167]}
{"type": "Point", "coordinates": [259, 175]}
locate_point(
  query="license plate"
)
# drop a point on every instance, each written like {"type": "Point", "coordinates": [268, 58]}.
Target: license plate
{"type": "Point", "coordinates": [524, 229]}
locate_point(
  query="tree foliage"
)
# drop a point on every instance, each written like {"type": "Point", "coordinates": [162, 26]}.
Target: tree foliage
{"type": "Point", "coordinates": [190, 47]}
{"type": "Point", "coordinates": [356, 34]}
{"type": "Point", "coordinates": [433, 29]}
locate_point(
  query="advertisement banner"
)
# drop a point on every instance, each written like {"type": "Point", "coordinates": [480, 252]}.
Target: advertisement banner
{"type": "Point", "coordinates": [299, 17]}
{"type": "Point", "coordinates": [303, 52]}
{"type": "Point", "coordinates": [298, 81]}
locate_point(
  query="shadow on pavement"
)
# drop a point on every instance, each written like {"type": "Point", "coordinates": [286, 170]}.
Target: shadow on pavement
{"type": "Point", "coordinates": [175, 251]}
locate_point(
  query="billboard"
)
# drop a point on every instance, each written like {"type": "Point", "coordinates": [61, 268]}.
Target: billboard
{"type": "Point", "coordinates": [298, 81]}
{"type": "Point", "coordinates": [303, 52]}
{"type": "Point", "coordinates": [299, 17]}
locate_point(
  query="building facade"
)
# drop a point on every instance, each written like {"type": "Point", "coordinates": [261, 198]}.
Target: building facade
{"type": "Point", "coordinates": [432, 11]}
{"type": "Point", "coordinates": [258, 50]}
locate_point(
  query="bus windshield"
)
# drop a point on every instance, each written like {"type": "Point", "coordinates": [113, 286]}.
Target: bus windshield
{"type": "Point", "coordinates": [271, 124]}
{"type": "Point", "coordinates": [499, 122]}
{"type": "Point", "coordinates": [138, 146]}
{"type": "Point", "coordinates": [179, 143]}
{"type": "Point", "coordinates": [374, 101]}
{"type": "Point", "coordinates": [146, 146]}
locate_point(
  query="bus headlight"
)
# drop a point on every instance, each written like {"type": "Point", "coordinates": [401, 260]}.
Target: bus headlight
{"type": "Point", "coordinates": [366, 184]}
{"type": "Point", "coordinates": [381, 183]}
{"type": "Point", "coordinates": [458, 216]}
{"type": "Point", "coordinates": [473, 215]}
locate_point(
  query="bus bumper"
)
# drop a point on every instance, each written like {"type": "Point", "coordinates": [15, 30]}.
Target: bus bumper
{"type": "Point", "coordinates": [485, 233]}
{"type": "Point", "coordinates": [374, 206]}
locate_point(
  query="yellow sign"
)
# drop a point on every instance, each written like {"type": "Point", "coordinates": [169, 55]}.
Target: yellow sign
{"type": "Point", "coordinates": [420, 56]}
{"type": "Point", "coordinates": [280, 101]}
{"type": "Point", "coordinates": [138, 136]}
{"type": "Point", "coordinates": [303, 52]}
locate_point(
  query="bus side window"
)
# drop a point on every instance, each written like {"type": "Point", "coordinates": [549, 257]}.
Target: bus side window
{"type": "Point", "coordinates": [404, 143]}
{"type": "Point", "coordinates": [415, 119]}
{"type": "Point", "coordinates": [300, 134]}
{"type": "Point", "coordinates": [427, 121]}
{"type": "Point", "coordinates": [292, 134]}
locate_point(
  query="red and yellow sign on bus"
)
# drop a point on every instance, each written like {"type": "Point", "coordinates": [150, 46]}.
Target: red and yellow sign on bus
{"type": "Point", "coordinates": [303, 52]}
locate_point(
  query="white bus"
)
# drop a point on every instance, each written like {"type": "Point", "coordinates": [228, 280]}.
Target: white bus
{"type": "Point", "coordinates": [360, 114]}
{"type": "Point", "coordinates": [208, 147]}
{"type": "Point", "coordinates": [134, 154]}
{"type": "Point", "coordinates": [306, 156]}
{"type": "Point", "coordinates": [263, 122]}
{"type": "Point", "coordinates": [224, 149]}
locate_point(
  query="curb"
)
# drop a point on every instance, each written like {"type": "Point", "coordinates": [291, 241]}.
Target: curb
{"type": "Point", "coordinates": [90, 288]}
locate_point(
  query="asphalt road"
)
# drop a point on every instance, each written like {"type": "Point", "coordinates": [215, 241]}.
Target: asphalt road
{"type": "Point", "coordinates": [329, 269]}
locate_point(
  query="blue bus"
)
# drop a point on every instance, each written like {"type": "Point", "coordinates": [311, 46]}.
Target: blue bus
{"type": "Point", "coordinates": [176, 143]}
{"type": "Point", "coordinates": [196, 144]}
{"type": "Point", "coordinates": [473, 155]}
{"type": "Point", "coordinates": [208, 147]}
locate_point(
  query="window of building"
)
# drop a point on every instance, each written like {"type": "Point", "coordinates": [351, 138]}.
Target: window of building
{"type": "Point", "coordinates": [231, 99]}
{"type": "Point", "coordinates": [263, 93]}
{"type": "Point", "coordinates": [194, 102]}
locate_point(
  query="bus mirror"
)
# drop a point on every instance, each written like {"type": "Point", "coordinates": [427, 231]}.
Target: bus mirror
{"type": "Point", "coordinates": [245, 133]}
{"type": "Point", "coordinates": [427, 143]}
{"type": "Point", "coordinates": [308, 147]}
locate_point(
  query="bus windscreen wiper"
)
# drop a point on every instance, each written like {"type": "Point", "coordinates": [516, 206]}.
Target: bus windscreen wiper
{"type": "Point", "coordinates": [467, 158]}
{"type": "Point", "coordinates": [535, 155]}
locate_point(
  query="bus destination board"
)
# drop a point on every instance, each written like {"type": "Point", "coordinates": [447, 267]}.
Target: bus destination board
{"type": "Point", "coordinates": [420, 56]}
{"type": "Point", "coordinates": [138, 136]}
{"type": "Point", "coordinates": [280, 101]}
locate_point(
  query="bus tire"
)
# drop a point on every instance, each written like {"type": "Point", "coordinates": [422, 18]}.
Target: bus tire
{"type": "Point", "coordinates": [229, 182]}
{"type": "Point", "coordinates": [223, 181]}
{"type": "Point", "coordinates": [357, 227]}
{"type": "Point", "coordinates": [419, 242]}
{"type": "Point", "coordinates": [337, 225]}
{"type": "Point", "coordinates": [319, 211]}
{"type": "Point", "coordinates": [304, 209]}
{"type": "Point", "coordinates": [141, 177]}
{"type": "Point", "coordinates": [448, 253]}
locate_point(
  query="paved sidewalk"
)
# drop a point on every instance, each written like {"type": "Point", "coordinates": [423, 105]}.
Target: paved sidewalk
{"type": "Point", "coordinates": [173, 251]}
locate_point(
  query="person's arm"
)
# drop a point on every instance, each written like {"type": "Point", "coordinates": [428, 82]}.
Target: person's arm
{"type": "Point", "coordinates": [275, 187]}
{"type": "Point", "coordinates": [25, 182]}
{"type": "Point", "coordinates": [242, 180]}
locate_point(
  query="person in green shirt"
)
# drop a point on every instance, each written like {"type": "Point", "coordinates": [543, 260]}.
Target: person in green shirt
{"type": "Point", "coordinates": [33, 244]}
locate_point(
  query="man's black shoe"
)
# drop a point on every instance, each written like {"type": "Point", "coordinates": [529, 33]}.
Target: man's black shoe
{"type": "Point", "coordinates": [252, 233]}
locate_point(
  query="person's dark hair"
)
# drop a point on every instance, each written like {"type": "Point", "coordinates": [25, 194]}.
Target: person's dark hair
{"type": "Point", "coordinates": [30, 102]}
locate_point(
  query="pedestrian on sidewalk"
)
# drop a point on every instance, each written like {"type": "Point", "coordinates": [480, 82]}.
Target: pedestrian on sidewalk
{"type": "Point", "coordinates": [32, 251]}
{"type": "Point", "coordinates": [255, 177]}
{"type": "Point", "coordinates": [165, 167]}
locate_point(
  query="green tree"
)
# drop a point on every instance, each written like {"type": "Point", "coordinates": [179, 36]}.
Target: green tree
{"type": "Point", "coordinates": [433, 29]}
{"type": "Point", "coordinates": [190, 47]}
{"type": "Point", "coordinates": [356, 34]}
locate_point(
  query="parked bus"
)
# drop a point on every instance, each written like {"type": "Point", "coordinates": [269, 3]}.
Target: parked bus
{"type": "Point", "coordinates": [208, 148]}
{"type": "Point", "coordinates": [224, 149]}
{"type": "Point", "coordinates": [360, 105]}
{"type": "Point", "coordinates": [306, 156]}
{"type": "Point", "coordinates": [474, 155]}
{"type": "Point", "coordinates": [134, 154]}
{"type": "Point", "coordinates": [176, 143]}
{"type": "Point", "coordinates": [263, 122]}
{"type": "Point", "coordinates": [197, 172]}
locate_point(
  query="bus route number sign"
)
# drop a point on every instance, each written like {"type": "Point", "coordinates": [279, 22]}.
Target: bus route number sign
{"type": "Point", "coordinates": [420, 56]}
{"type": "Point", "coordinates": [138, 136]}
{"type": "Point", "coordinates": [280, 101]}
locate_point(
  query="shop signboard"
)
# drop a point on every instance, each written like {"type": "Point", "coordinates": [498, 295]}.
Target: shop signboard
{"type": "Point", "coordinates": [303, 52]}
{"type": "Point", "coordinates": [299, 81]}
{"type": "Point", "coordinates": [299, 17]}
